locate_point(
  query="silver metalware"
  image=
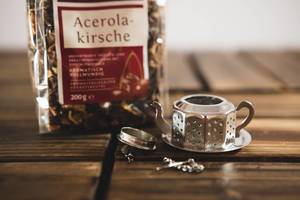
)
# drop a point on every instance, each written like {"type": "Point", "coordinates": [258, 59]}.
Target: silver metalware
{"type": "Point", "coordinates": [205, 123]}
{"type": "Point", "coordinates": [137, 138]}
{"type": "Point", "coordinates": [133, 139]}
{"type": "Point", "coordinates": [189, 165]}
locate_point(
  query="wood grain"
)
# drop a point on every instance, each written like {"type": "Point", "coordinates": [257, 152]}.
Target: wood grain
{"type": "Point", "coordinates": [52, 148]}
{"type": "Point", "coordinates": [231, 72]}
{"type": "Point", "coordinates": [280, 65]}
{"type": "Point", "coordinates": [70, 172]}
{"type": "Point", "coordinates": [14, 69]}
{"type": "Point", "coordinates": [276, 139]}
{"type": "Point", "coordinates": [19, 139]}
{"type": "Point", "coordinates": [180, 74]}
{"type": "Point", "coordinates": [219, 181]}
{"type": "Point", "coordinates": [16, 96]}
{"type": "Point", "coordinates": [48, 181]}
{"type": "Point", "coordinates": [275, 125]}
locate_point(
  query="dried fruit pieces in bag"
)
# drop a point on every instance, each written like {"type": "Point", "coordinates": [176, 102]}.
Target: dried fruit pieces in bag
{"type": "Point", "coordinates": [127, 104]}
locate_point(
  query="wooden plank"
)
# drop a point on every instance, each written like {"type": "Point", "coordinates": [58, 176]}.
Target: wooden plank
{"type": "Point", "coordinates": [53, 148]}
{"type": "Point", "coordinates": [281, 105]}
{"type": "Point", "coordinates": [49, 181]}
{"type": "Point", "coordinates": [295, 55]}
{"type": "Point", "coordinates": [139, 180]}
{"type": "Point", "coordinates": [268, 144]}
{"type": "Point", "coordinates": [15, 84]}
{"type": "Point", "coordinates": [180, 74]}
{"type": "Point", "coordinates": [275, 125]}
{"type": "Point", "coordinates": [231, 72]}
{"type": "Point", "coordinates": [16, 96]}
{"type": "Point", "coordinates": [19, 139]}
{"type": "Point", "coordinates": [14, 69]}
{"type": "Point", "coordinates": [17, 99]}
{"type": "Point", "coordinates": [281, 65]}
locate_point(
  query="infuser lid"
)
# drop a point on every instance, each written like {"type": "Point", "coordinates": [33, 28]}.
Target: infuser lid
{"type": "Point", "coordinates": [137, 138]}
{"type": "Point", "coordinates": [204, 103]}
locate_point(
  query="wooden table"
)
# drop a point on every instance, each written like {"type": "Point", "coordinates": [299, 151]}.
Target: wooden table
{"type": "Point", "coordinates": [80, 166]}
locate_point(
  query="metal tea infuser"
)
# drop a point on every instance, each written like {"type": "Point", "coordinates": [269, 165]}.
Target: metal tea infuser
{"type": "Point", "coordinates": [205, 123]}
{"type": "Point", "coordinates": [200, 123]}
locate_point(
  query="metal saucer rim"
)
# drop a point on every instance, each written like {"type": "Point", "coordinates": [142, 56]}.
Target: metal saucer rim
{"type": "Point", "coordinates": [244, 134]}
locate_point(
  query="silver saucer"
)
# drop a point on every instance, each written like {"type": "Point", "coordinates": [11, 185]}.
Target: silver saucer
{"type": "Point", "coordinates": [239, 143]}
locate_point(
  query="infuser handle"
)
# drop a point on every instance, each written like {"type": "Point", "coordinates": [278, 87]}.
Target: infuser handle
{"type": "Point", "coordinates": [247, 120]}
